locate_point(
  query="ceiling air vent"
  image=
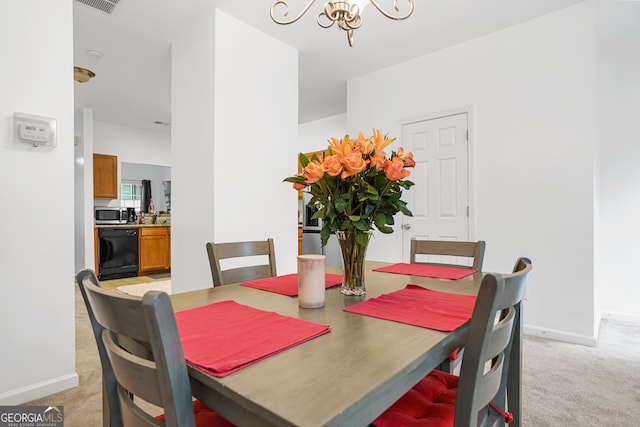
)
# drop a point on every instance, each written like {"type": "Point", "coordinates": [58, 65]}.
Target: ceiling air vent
{"type": "Point", "coordinates": [106, 6]}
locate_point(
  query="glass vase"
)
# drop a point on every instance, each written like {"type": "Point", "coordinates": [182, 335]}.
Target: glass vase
{"type": "Point", "coordinates": [353, 257]}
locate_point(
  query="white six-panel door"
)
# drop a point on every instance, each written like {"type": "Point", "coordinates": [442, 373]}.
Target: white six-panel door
{"type": "Point", "coordinates": [439, 200]}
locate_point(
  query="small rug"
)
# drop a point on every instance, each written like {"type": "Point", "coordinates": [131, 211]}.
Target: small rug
{"type": "Point", "coordinates": [142, 288]}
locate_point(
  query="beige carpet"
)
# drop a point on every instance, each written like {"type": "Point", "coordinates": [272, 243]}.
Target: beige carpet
{"type": "Point", "coordinates": [142, 288]}
{"type": "Point", "coordinates": [563, 384]}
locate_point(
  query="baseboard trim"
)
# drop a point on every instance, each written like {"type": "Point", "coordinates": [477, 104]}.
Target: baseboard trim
{"type": "Point", "coordinates": [621, 317]}
{"type": "Point", "coordinates": [560, 336]}
{"type": "Point", "coordinates": [35, 391]}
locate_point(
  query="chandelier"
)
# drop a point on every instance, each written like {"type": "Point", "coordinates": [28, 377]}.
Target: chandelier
{"type": "Point", "coordinates": [346, 13]}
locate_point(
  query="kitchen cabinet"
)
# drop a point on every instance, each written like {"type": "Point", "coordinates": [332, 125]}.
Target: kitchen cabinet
{"type": "Point", "coordinates": [105, 176]}
{"type": "Point", "coordinates": [154, 249]}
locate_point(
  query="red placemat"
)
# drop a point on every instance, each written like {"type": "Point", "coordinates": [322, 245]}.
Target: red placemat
{"type": "Point", "coordinates": [419, 306]}
{"type": "Point", "coordinates": [225, 336]}
{"type": "Point", "coordinates": [288, 284]}
{"type": "Point", "coordinates": [425, 270]}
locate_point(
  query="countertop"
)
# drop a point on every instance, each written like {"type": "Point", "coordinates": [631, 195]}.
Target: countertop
{"type": "Point", "coordinates": [130, 225]}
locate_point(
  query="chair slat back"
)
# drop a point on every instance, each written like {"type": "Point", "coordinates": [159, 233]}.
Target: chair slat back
{"type": "Point", "coordinates": [161, 379]}
{"type": "Point", "coordinates": [472, 250]}
{"type": "Point", "coordinates": [222, 251]}
{"type": "Point", "coordinates": [489, 343]}
{"type": "Point", "coordinates": [135, 374]}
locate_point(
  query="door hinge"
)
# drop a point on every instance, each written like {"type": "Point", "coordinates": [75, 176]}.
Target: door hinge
{"type": "Point", "coordinates": [467, 133]}
{"type": "Point", "coordinates": [467, 211]}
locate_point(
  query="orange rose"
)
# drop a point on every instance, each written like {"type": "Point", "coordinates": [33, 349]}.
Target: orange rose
{"type": "Point", "coordinates": [380, 141]}
{"type": "Point", "coordinates": [297, 186]}
{"type": "Point", "coordinates": [406, 158]}
{"type": "Point", "coordinates": [394, 169]}
{"type": "Point", "coordinates": [364, 145]}
{"type": "Point", "coordinates": [332, 165]}
{"type": "Point", "coordinates": [353, 163]}
{"type": "Point", "coordinates": [313, 172]}
{"type": "Point", "coordinates": [378, 160]}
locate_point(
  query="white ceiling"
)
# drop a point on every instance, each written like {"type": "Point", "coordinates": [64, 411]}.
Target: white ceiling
{"type": "Point", "coordinates": [132, 83]}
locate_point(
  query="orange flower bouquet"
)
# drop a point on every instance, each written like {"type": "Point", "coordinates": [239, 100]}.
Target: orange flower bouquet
{"type": "Point", "coordinates": [354, 188]}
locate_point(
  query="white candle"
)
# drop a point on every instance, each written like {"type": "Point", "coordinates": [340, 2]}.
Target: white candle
{"type": "Point", "coordinates": [311, 281]}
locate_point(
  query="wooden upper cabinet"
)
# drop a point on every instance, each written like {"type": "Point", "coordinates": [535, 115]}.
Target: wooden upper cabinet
{"type": "Point", "coordinates": [105, 176]}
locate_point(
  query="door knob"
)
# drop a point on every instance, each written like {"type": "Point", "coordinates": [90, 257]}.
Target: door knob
{"type": "Point", "coordinates": [406, 226]}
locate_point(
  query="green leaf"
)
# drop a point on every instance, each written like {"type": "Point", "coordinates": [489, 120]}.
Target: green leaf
{"type": "Point", "coordinates": [362, 239]}
{"type": "Point", "coordinates": [390, 220]}
{"type": "Point", "coordinates": [361, 225]}
{"type": "Point", "coordinates": [304, 160]}
{"type": "Point", "coordinates": [324, 234]}
{"type": "Point", "coordinates": [386, 230]}
{"type": "Point", "coordinates": [295, 179]}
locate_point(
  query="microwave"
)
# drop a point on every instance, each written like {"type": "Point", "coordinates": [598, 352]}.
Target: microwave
{"type": "Point", "coordinates": [110, 215]}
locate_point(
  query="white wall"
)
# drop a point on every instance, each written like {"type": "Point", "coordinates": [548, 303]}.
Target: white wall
{"type": "Point", "coordinates": [132, 145]}
{"type": "Point", "coordinates": [192, 124]}
{"type": "Point", "coordinates": [232, 147]}
{"type": "Point", "coordinates": [619, 151]}
{"type": "Point", "coordinates": [36, 259]}
{"type": "Point", "coordinates": [315, 135]}
{"type": "Point", "coordinates": [83, 183]}
{"type": "Point", "coordinates": [531, 89]}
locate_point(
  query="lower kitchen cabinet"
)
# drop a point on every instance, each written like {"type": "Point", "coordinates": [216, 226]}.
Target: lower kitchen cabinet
{"type": "Point", "coordinates": [154, 249]}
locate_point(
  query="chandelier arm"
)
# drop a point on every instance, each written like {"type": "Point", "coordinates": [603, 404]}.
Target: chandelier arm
{"type": "Point", "coordinates": [352, 25]}
{"type": "Point", "coordinates": [388, 15]}
{"type": "Point", "coordinates": [330, 24]}
{"type": "Point", "coordinates": [354, 20]}
{"type": "Point", "coordinates": [286, 5]}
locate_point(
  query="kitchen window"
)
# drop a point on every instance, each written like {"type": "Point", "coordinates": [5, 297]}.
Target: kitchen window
{"type": "Point", "coordinates": [130, 194]}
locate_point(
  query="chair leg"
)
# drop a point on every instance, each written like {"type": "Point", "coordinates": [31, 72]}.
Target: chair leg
{"type": "Point", "coordinates": [451, 366]}
{"type": "Point", "coordinates": [514, 383]}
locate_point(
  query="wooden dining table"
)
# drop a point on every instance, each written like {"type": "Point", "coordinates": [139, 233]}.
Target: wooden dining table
{"type": "Point", "coordinates": [346, 377]}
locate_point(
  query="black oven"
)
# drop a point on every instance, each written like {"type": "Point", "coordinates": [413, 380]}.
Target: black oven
{"type": "Point", "coordinates": [118, 252]}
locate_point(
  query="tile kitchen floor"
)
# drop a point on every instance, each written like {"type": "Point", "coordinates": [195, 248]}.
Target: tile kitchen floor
{"type": "Point", "coordinates": [114, 283]}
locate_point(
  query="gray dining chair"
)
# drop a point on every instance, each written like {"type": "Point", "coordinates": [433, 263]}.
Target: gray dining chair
{"type": "Point", "coordinates": [226, 251]}
{"type": "Point", "coordinates": [159, 378]}
{"type": "Point", "coordinates": [479, 395]}
{"type": "Point", "coordinates": [473, 251]}
{"type": "Point", "coordinates": [111, 416]}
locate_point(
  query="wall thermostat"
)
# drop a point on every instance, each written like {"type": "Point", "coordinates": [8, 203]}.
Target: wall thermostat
{"type": "Point", "coordinates": [36, 131]}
